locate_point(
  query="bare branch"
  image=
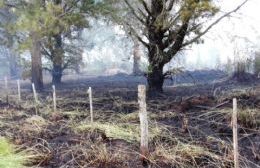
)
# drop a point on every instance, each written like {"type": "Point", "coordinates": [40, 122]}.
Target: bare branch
{"type": "Point", "coordinates": [46, 52]}
{"type": "Point", "coordinates": [145, 5]}
{"type": "Point", "coordinates": [47, 69]}
{"type": "Point", "coordinates": [136, 35]}
{"type": "Point", "coordinates": [213, 24]}
{"type": "Point", "coordinates": [134, 12]}
{"type": "Point", "coordinates": [178, 42]}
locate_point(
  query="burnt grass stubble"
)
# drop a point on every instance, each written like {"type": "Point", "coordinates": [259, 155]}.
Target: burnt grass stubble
{"type": "Point", "coordinates": [56, 144]}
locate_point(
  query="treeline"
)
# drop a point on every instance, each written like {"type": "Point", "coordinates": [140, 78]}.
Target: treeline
{"type": "Point", "coordinates": [52, 29]}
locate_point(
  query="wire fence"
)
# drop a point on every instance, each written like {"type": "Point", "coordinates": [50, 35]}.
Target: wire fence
{"type": "Point", "coordinates": [198, 117]}
{"type": "Point", "coordinates": [203, 118]}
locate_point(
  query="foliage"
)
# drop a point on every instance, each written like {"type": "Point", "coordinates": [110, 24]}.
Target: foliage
{"type": "Point", "coordinates": [58, 25]}
{"type": "Point", "coordinates": [44, 19]}
{"type": "Point", "coordinates": [8, 157]}
{"type": "Point", "coordinates": [165, 27]}
{"type": "Point", "coordinates": [171, 19]}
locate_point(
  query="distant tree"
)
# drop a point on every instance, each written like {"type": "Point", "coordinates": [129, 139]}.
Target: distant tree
{"type": "Point", "coordinates": [244, 59]}
{"type": "Point", "coordinates": [63, 45]}
{"type": "Point", "coordinates": [137, 54]}
{"type": "Point", "coordinates": [229, 66]}
{"type": "Point", "coordinates": [218, 64]}
{"type": "Point", "coordinates": [71, 58]}
{"type": "Point", "coordinates": [65, 23]}
{"type": "Point", "coordinates": [29, 15]}
{"type": "Point", "coordinates": [49, 27]}
{"type": "Point", "coordinates": [167, 27]}
{"type": "Point", "coordinates": [257, 64]}
{"type": "Point", "coordinates": [7, 42]}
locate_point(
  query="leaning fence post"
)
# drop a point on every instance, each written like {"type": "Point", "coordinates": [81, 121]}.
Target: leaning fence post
{"type": "Point", "coordinates": [235, 140]}
{"type": "Point", "coordinates": [91, 104]}
{"type": "Point", "coordinates": [35, 98]}
{"type": "Point", "coordinates": [143, 123]}
{"type": "Point", "coordinates": [54, 98]}
{"type": "Point", "coordinates": [19, 91]}
{"type": "Point", "coordinates": [6, 90]}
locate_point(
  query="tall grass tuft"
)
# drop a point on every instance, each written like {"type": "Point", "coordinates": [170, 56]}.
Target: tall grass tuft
{"type": "Point", "coordinates": [8, 156]}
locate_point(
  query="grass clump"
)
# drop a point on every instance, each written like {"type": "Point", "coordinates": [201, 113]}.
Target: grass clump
{"type": "Point", "coordinates": [36, 120]}
{"type": "Point", "coordinates": [127, 132]}
{"type": "Point", "coordinates": [101, 156]}
{"type": "Point", "coordinates": [8, 157]}
{"type": "Point", "coordinates": [186, 155]}
{"type": "Point", "coordinates": [152, 116]}
{"type": "Point", "coordinates": [247, 118]}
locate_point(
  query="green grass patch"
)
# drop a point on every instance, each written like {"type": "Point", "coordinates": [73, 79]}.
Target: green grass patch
{"type": "Point", "coordinates": [8, 157]}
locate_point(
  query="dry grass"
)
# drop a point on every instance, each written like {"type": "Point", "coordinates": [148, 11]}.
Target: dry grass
{"type": "Point", "coordinates": [185, 155]}
{"type": "Point", "coordinates": [247, 118]}
{"type": "Point", "coordinates": [98, 154]}
{"type": "Point", "coordinates": [171, 150]}
{"type": "Point", "coordinates": [72, 141]}
{"type": "Point", "coordinates": [134, 117]}
{"type": "Point", "coordinates": [127, 132]}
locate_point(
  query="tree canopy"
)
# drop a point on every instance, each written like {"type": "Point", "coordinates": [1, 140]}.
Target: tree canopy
{"type": "Point", "coordinates": [166, 27]}
{"type": "Point", "coordinates": [56, 25]}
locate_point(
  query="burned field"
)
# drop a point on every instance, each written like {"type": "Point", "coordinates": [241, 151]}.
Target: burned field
{"type": "Point", "coordinates": [189, 125]}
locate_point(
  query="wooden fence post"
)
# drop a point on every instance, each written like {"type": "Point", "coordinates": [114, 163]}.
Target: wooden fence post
{"type": "Point", "coordinates": [235, 140]}
{"type": "Point", "coordinates": [91, 105]}
{"type": "Point", "coordinates": [54, 98]}
{"type": "Point", "coordinates": [19, 91]}
{"type": "Point", "coordinates": [35, 98]}
{"type": "Point", "coordinates": [144, 149]}
{"type": "Point", "coordinates": [6, 90]}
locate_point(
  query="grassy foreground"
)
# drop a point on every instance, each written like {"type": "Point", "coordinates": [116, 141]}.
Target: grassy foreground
{"type": "Point", "coordinates": [8, 157]}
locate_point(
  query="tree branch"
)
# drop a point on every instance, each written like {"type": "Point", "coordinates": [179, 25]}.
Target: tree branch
{"type": "Point", "coordinates": [134, 12]}
{"type": "Point", "coordinates": [178, 42]}
{"type": "Point", "coordinates": [137, 35]}
{"type": "Point", "coordinates": [213, 24]}
{"type": "Point", "coordinates": [46, 52]}
{"type": "Point", "coordinates": [145, 5]}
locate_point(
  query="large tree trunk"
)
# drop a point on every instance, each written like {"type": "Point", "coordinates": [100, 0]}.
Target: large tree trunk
{"type": "Point", "coordinates": [56, 74]}
{"type": "Point", "coordinates": [58, 56]}
{"type": "Point", "coordinates": [57, 60]}
{"type": "Point", "coordinates": [36, 58]}
{"type": "Point", "coordinates": [137, 58]}
{"type": "Point", "coordinates": [155, 78]}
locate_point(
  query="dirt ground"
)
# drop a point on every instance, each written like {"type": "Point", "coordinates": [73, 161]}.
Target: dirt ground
{"type": "Point", "coordinates": [190, 124]}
